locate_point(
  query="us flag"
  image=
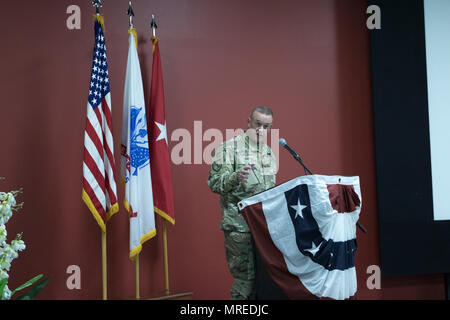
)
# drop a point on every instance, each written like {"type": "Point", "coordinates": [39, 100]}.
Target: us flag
{"type": "Point", "coordinates": [99, 186]}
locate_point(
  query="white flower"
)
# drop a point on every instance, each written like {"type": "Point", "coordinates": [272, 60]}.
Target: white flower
{"type": "Point", "coordinates": [11, 199]}
{"type": "Point", "coordinates": [18, 245]}
{"type": "Point", "coordinates": [8, 198]}
{"type": "Point", "coordinates": [5, 208]}
{"type": "Point", "coordinates": [5, 263]}
{"type": "Point", "coordinates": [3, 275]}
{"type": "Point", "coordinates": [3, 235]}
{"type": "Point", "coordinates": [6, 294]}
{"type": "Point", "coordinates": [8, 252]}
{"type": "Point", "coordinates": [4, 216]}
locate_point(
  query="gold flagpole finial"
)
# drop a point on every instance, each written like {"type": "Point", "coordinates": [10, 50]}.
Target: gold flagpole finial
{"type": "Point", "coordinates": [98, 17]}
{"type": "Point", "coordinates": [97, 4]}
{"type": "Point", "coordinates": [130, 13]}
{"type": "Point", "coordinates": [154, 38]}
{"type": "Point", "coordinates": [153, 26]}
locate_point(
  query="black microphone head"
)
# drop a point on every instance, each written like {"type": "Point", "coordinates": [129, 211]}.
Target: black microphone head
{"type": "Point", "coordinates": [282, 142]}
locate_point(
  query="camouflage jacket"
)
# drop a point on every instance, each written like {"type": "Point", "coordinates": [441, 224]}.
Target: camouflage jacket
{"type": "Point", "coordinates": [228, 159]}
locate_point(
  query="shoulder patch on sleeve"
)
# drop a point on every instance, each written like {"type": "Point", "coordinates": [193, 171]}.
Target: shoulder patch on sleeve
{"type": "Point", "coordinates": [216, 167]}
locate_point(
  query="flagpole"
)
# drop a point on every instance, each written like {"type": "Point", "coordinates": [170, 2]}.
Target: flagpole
{"type": "Point", "coordinates": [130, 13]}
{"type": "Point", "coordinates": [98, 4]}
{"type": "Point", "coordinates": [104, 266]}
{"type": "Point", "coordinates": [166, 259]}
{"type": "Point", "coordinates": [138, 295]}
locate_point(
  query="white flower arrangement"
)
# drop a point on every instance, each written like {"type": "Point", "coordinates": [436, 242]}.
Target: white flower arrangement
{"type": "Point", "coordinates": [9, 252]}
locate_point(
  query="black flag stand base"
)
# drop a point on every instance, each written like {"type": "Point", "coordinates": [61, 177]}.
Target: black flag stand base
{"type": "Point", "coordinates": [297, 157]}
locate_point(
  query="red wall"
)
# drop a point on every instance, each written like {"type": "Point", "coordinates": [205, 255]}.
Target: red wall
{"type": "Point", "coordinates": [308, 60]}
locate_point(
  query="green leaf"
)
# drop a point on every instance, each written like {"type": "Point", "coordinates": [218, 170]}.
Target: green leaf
{"type": "Point", "coordinates": [27, 284]}
{"type": "Point", "coordinates": [34, 290]}
{"type": "Point", "coordinates": [3, 283]}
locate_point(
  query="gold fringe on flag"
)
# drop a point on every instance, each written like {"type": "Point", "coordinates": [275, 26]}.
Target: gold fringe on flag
{"type": "Point", "coordinates": [99, 19]}
{"type": "Point", "coordinates": [133, 32]}
{"type": "Point", "coordinates": [154, 43]}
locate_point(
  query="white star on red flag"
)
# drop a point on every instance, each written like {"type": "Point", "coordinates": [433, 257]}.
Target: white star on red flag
{"type": "Point", "coordinates": [163, 132]}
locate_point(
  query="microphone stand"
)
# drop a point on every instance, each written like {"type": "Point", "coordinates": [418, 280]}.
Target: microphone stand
{"type": "Point", "coordinates": [297, 157]}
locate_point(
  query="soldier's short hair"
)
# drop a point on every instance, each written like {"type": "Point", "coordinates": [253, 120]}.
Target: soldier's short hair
{"type": "Point", "coordinates": [262, 109]}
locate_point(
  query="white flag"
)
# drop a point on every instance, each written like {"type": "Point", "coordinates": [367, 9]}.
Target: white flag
{"type": "Point", "coordinates": [135, 160]}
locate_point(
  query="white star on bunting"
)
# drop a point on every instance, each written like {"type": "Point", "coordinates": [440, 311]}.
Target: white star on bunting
{"type": "Point", "coordinates": [298, 208]}
{"type": "Point", "coordinates": [314, 248]}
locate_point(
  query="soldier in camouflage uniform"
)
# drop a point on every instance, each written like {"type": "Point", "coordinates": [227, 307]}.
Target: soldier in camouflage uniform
{"type": "Point", "coordinates": [242, 167]}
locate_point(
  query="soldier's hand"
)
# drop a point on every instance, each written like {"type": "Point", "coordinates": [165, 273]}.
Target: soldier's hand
{"type": "Point", "coordinates": [242, 175]}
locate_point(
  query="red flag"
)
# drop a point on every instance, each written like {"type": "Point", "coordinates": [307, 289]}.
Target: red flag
{"type": "Point", "coordinates": [159, 149]}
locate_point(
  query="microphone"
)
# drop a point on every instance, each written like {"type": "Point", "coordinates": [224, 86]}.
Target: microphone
{"type": "Point", "coordinates": [284, 144]}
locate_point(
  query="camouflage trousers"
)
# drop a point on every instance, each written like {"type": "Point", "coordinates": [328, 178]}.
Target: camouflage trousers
{"type": "Point", "coordinates": [240, 258]}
